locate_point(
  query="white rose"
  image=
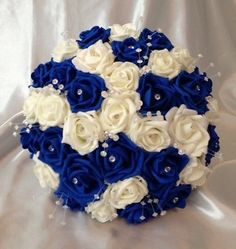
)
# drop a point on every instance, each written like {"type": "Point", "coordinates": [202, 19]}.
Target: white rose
{"type": "Point", "coordinates": [184, 58]}
{"type": "Point", "coordinates": [163, 63]}
{"type": "Point", "coordinates": [150, 133]}
{"type": "Point", "coordinates": [195, 173]}
{"type": "Point", "coordinates": [121, 32]}
{"type": "Point", "coordinates": [45, 174]}
{"type": "Point", "coordinates": [122, 76]}
{"type": "Point", "coordinates": [29, 107]}
{"type": "Point", "coordinates": [188, 130]}
{"type": "Point", "coordinates": [102, 210]}
{"type": "Point", "coordinates": [82, 131]}
{"type": "Point", "coordinates": [213, 113]}
{"type": "Point", "coordinates": [128, 191]}
{"type": "Point", "coordinates": [51, 110]}
{"type": "Point", "coordinates": [117, 111]}
{"type": "Point", "coordinates": [65, 50]}
{"type": "Point", "coordinates": [95, 58]}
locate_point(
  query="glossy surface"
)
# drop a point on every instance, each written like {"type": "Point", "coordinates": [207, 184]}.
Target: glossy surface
{"type": "Point", "coordinates": [29, 31]}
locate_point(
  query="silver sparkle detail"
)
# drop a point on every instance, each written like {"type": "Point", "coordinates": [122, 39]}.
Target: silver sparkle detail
{"type": "Point", "coordinates": [198, 88]}
{"type": "Point", "coordinates": [142, 217]}
{"type": "Point", "coordinates": [143, 203]}
{"type": "Point", "coordinates": [149, 44]}
{"type": "Point", "coordinates": [14, 134]}
{"type": "Point", "coordinates": [155, 214]}
{"type": "Point", "coordinates": [115, 138]}
{"type": "Point", "coordinates": [61, 86]}
{"type": "Point", "coordinates": [145, 57]}
{"type": "Point", "coordinates": [138, 50]}
{"type": "Point", "coordinates": [105, 145]}
{"type": "Point", "coordinates": [28, 130]}
{"type": "Point", "coordinates": [139, 61]}
{"type": "Point", "coordinates": [149, 37]}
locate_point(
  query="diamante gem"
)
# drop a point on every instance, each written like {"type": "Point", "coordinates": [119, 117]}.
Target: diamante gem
{"type": "Point", "coordinates": [154, 214]}
{"type": "Point", "coordinates": [51, 148]}
{"type": "Point", "coordinates": [205, 78]}
{"type": "Point", "coordinates": [150, 201]}
{"type": "Point", "coordinates": [139, 61]}
{"type": "Point", "coordinates": [142, 217]}
{"type": "Point", "coordinates": [163, 213]}
{"type": "Point", "coordinates": [75, 180]}
{"type": "Point", "coordinates": [155, 200]}
{"type": "Point", "coordinates": [105, 145]}
{"type": "Point", "coordinates": [149, 37]}
{"type": "Point", "coordinates": [54, 81]}
{"type": "Point", "coordinates": [79, 91]}
{"type": "Point", "coordinates": [149, 44]}
{"type": "Point", "coordinates": [157, 96]}
{"type": "Point", "coordinates": [145, 57]}
{"type": "Point", "coordinates": [96, 196]}
{"type": "Point", "coordinates": [143, 203]}
{"type": "Point", "coordinates": [112, 159]}
{"type": "Point", "coordinates": [115, 138]}
{"type": "Point", "coordinates": [103, 153]}
{"type": "Point", "coordinates": [14, 134]}
{"type": "Point", "coordinates": [138, 50]}
{"type": "Point", "coordinates": [27, 130]}
{"type": "Point", "coordinates": [132, 47]}
{"type": "Point", "coordinates": [61, 86]}
{"type": "Point", "coordinates": [167, 169]}
{"type": "Point", "coordinates": [198, 88]}
{"type": "Point", "coordinates": [175, 200]}
{"type": "Point", "coordinates": [58, 202]}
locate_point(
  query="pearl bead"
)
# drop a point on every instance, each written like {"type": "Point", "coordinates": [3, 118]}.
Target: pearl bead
{"type": "Point", "coordinates": [54, 81]}
{"type": "Point", "coordinates": [112, 159]}
{"type": "Point", "coordinates": [157, 96]}
{"type": "Point", "coordinates": [75, 180]}
{"type": "Point", "coordinates": [175, 200]}
{"type": "Point", "coordinates": [103, 153]}
{"type": "Point", "coordinates": [167, 169]}
{"type": "Point", "coordinates": [79, 91]}
{"type": "Point", "coordinates": [51, 148]}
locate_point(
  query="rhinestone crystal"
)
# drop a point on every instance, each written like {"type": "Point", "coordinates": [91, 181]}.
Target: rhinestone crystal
{"type": "Point", "coordinates": [167, 169]}
{"type": "Point", "coordinates": [51, 148]}
{"type": "Point", "coordinates": [157, 96]}
{"type": "Point", "coordinates": [138, 50]}
{"type": "Point", "coordinates": [155, 214]}
{"type": "Point", "coordinates": [175, 200]}
{"type": "Point", "coordinates": [75, 180]}
{"type": "Point", "coordinates": [54, 81]}
{"type": "Point", "coordinates": [61, 86]}
{"type": "Point", "coordinates": [103, 153]}
{"type": "Point", "coordinates": [79, 91]}
{"type": "Point", "coordinates": [142, 217]}
{"type": "Point", "coordinates": [139, 61]}
{"type": "Point", "coordinates": [112, 159]}
{"type": "Point", "coordinates": [149, 44]}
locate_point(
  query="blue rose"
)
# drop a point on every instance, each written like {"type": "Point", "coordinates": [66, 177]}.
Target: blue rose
{"type": "Point", "coordinates": [175, 196]}
{"type": "Point", "coordinates": [52, 151]}
{"type": "Point", "coordinates": [163, 168]}
{"type": "Point", "coordinates": [156, 93]}
{"type": "Point", "coordinates": [192, 90]}
{"type": "Point", "coordinates": [213, 144]}
{"type": "Point", "coordinates": [135, 212]}
{"type": "Point", "coordinates": [84, 93]}
{"type": "Point", "coordinates": [158, 40]}
{"type": "Point", "coordinates": [81, 181]}
{"type": "Point", "coordinates": [89, 37]}
{"type": "Point", "coordinates": [62, 73]}
{"type": "Point", "coordinates": [29, 138]}
{"type": "Point", "coordinates": [123, 160]}
{"type": "Point", "coordinates": [127, 51]}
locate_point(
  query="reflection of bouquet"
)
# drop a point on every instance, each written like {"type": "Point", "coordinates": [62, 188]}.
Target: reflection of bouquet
{"type": "Point", "coordinates": [119, 123]}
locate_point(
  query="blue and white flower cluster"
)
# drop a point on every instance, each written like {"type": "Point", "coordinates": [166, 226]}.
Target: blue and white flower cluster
{"type": "Point", "coordinates": [120, 123]}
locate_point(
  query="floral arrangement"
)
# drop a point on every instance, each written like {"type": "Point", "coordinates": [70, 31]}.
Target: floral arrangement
{"type": "Point", "coordinates": [120, 123]}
